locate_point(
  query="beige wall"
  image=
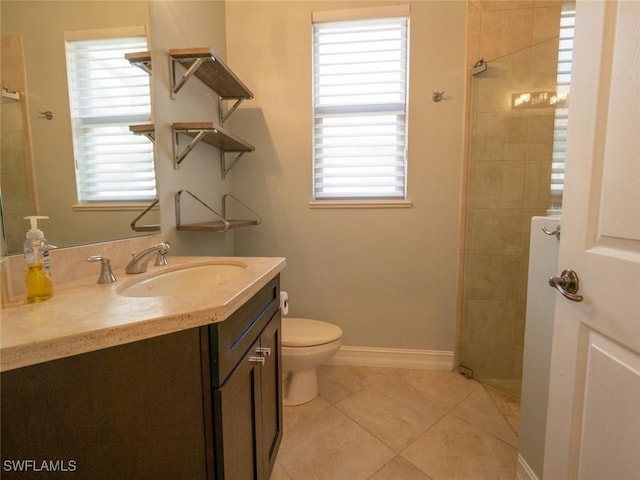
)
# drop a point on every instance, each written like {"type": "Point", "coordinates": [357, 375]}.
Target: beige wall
{"type": "Point", "coordinates": [387, 276]}
{"type": "Point", "coordinates": [42, 24]}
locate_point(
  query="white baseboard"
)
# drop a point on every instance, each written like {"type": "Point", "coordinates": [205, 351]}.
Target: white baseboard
{"type": "Point", "coordinates": [393, 358]}
{"type": "Point", "coordinates": [524, 470]}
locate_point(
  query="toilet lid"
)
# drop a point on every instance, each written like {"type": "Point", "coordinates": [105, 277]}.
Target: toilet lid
{"type": "Point", "coordinates": [304, 332]}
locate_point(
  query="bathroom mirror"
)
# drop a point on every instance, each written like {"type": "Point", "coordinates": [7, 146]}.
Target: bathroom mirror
{"type": "Point", "coordinates": [37, 168]}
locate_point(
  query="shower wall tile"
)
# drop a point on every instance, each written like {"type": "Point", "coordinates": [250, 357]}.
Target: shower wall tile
{"type": "Point", "coordinates": [489, 5]}
{"type": "Point", "coordinates": [540, 134]}
{"type": "Point", "coordinates": [490, 321]}
{"type": "Point", "coordinates": [527, 214]}
{"type": "Point", "coordinates": [549, 3]}
{"type": "Point", "coordinates": [491, 277]}
{"type": "Point", "coordinates": [501, 79]}
{"type": "Point", "coordinates": [491, 361]}
{"type": "Point", "coordinates": [496, 184]}
{"type": "Point", "coordinates": [523, 280]}
{"type": "Point", "coordinates": [536, 184]}
{"type": "Point", "coordinates": [519, 322]}
{"type": "Point", "coordinates": [501, 127]}
{"type": "Point", "coordinates": [494, 232]}
{"type": "Point", "coordinates": [547, 50]}
{"type": "Point", "coordinates": [505, 31]}
{"type": "Point", "coordinates": [546, 23]}
{"type": "Point", "coordinates": [543, 75]}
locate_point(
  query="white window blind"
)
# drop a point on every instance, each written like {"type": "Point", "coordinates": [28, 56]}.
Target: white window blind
{"type": "Point", "coordinates": [107, 95]}
{"type": "Point", "coordinates": [565, 57]}
{"type": "Point", "coordinates": [360, 108]}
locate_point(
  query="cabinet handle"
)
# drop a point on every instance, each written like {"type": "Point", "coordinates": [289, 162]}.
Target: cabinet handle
{"type": "Point", "coordinates": [264, 351]}
{"type": "Point", "coordinates": [257, 360]}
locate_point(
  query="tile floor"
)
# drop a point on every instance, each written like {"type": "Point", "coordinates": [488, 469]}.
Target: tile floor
{"type": "Point", "coordinates": [385, 423]}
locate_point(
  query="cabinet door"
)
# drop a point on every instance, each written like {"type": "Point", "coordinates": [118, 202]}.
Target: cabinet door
{"type": "Point", "coordinates": [271, 383]}
{"type": "Point", "coordinates": [237, 417]}
{"type": "Point", "coordinates": [132, 411]}
{"type": "Point", "coordinates": [248, 411]}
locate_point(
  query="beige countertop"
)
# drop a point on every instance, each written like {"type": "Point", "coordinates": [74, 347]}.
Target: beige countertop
{"type": "Point", "coordinates": [83, 316]}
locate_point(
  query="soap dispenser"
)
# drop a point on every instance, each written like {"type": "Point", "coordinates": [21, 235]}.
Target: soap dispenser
{"type": "Point", "coordinates": [37, 266]}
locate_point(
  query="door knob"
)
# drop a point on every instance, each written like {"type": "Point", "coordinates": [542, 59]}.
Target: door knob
{"type": "Point", "coordinates": [567, 284]}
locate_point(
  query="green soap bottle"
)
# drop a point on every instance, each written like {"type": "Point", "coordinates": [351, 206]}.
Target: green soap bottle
{"type": "Point", "coordinates": [37, 265]}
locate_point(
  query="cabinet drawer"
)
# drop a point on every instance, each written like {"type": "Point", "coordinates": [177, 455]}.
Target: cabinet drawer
{"type": "Point", "coordinates": [230, 339]}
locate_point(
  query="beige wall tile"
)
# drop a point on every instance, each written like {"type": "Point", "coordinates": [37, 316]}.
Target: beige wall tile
{"type": "Point", "coordinates": [496, 184]}
{"type": "Point", "coordinates": [489, 277]}
{"type": "Point", "coordinates": [505, 31]}
{"type": "Point", "coordinates": [546, 50]}
{"type": "Point", "coordinates": [546, 23]}
{"type": "Point", "coordinates": [491, 362]}
{"type": "Point", "coordinates": [494, 231]}
{"type": "Point", "coordinates": [490, 321]}
{"type": "Point", "coordinates": [496, 85]}
{"type": "Point", "coordinates": [488, 5]}
{"type": "Point", "coordinates": [537, 181]}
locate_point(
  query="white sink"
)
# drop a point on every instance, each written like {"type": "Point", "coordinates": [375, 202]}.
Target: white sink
{"type": "Point", "coordinates": [190, 279]}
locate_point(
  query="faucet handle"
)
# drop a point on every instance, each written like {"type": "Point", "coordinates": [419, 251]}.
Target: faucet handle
{"type": "Point", "coordinates": [106, 275]}
{"type": "Point", "coordinates": [161, 258]}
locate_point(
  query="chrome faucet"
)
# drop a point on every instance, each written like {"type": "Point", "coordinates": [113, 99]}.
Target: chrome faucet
{"type": "Point", "coordinates": [106, 275]}
{"type": "Point", "coordinates": [139, 261]}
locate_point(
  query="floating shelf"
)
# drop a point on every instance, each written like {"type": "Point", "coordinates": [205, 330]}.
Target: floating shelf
{"type": "Point", "coordinates": [140, 59]}
{"type": "Point", "coordinates": [221, 224]}
{"type": "Point", "coordinates": [212, 135]}
{"type": "Point", "coordinates": [210, 69]}
{"type": "Point", "coordinates": [148, 130]}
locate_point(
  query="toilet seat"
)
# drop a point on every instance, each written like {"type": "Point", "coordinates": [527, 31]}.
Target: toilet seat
{"type": "Point", "coordinates": [304, 332]}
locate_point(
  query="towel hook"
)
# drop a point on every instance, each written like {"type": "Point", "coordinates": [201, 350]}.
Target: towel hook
{"type": "Point", "coordinates": [437, 96]}
{"type": "Point", "coordinates": [555, 232]}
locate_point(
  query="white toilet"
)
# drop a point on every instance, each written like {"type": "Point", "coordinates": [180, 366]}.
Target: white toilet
{"type": "Point", "coordinates": [306, 344]}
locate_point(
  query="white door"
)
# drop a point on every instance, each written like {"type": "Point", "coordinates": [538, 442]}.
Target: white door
{"type": "Point", "coordinates": [593, 423]}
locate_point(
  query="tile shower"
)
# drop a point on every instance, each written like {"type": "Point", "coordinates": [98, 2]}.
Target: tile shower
{"type": "Point", "coordinates": [508, 176]}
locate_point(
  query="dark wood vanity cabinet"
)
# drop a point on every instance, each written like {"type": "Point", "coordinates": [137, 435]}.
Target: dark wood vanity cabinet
{"type": "Point", "coordinates": [248, 411]}
{"type": "Point", "coordinates": [203, 403]}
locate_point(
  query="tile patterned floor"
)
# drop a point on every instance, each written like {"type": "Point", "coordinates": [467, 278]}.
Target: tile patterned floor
{"type": "Point", "coordinates": [397, 424]}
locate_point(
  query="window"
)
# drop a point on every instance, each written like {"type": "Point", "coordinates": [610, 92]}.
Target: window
{"type": "Point", "coordinates": [107, 95]}
{"type": "Point", "coordinates": [565, 56]}
{"type": "Point", "coordinates": [360, 72]}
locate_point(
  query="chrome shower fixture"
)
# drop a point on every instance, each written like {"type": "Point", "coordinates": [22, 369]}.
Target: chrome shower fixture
{"type": "Point", "coordinates": [479, 67]}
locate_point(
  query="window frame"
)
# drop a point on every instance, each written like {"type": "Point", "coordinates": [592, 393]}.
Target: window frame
{"type": "Point", "coordinates": [379, 200]}
{"type": "Point", "coordinates": [78, 122]}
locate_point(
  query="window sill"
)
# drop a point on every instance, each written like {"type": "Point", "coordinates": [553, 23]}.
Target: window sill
{"type": "Point", "coordinates": [360, 204]}
{"type": "Point", "coordinates": [115, 207]}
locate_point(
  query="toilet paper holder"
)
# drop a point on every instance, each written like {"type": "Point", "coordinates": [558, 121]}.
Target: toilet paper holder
{"type": "Point", "coordinates": [284, 302]}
